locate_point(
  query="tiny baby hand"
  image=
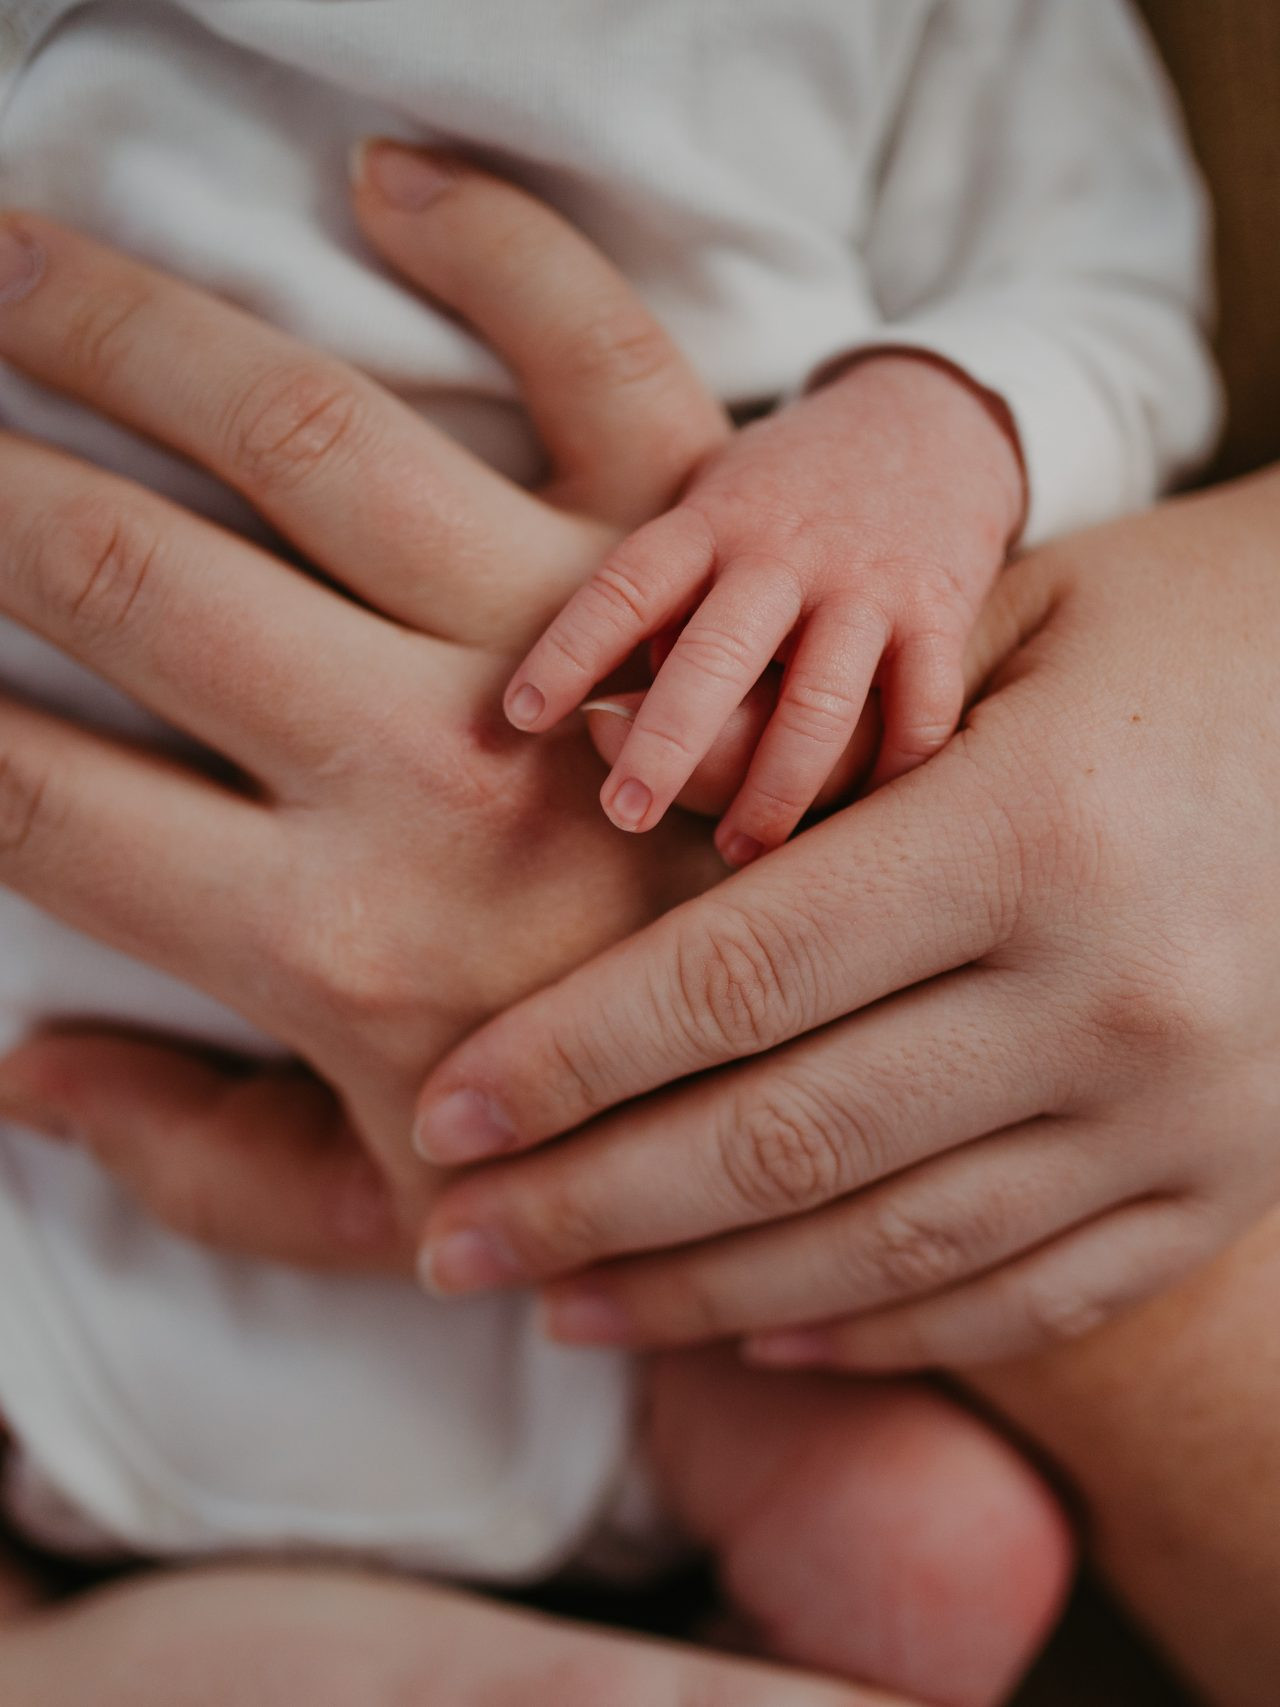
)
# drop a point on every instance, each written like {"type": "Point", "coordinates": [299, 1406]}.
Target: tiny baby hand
{"type": "Point", "coordinates": [858, 531]}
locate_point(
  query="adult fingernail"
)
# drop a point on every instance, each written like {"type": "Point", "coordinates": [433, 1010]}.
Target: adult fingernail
{"type": "Point", "coordinates": [612, 707]}
{"type": "Point", "coordinates": [586, 1318]}
{"type": "Point", "coordinates": [741, 850]}
{"type": "Point", "coordinates": [629, 805]}
{"type": "Point", "coordinates": [404, 178]}
{"type": "Point", "coordinates": [465, 1126]}
{"type": "Point", "coordinates": [468, 1261]}
{"type": "Point", "coordinates": [21, 264]}
{"type": "Point", "coordinates": [525, 706]}
{"type": "Point", "coordinates": [793, 1348]}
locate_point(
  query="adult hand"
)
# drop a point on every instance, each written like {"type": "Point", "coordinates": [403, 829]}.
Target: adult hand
{"type": "Point", "coordinates": [1013, 1021]}
{"type": "Point", "coordinates": [393, 864]}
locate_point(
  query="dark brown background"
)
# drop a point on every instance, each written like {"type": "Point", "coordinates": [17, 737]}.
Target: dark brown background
{"type": "Point", "coordinates": [1225, 56]}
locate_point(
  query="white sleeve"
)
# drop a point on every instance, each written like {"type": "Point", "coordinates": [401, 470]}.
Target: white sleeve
{"type": "Point", "coordinates": [1040, 223]}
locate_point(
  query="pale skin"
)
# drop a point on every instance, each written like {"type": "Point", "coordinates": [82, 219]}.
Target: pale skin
{"type": "Point", "coordinates": [1088, 1403]}
{"type": "Point", "coordinates": [858, 531]}
{"type": "Point", "coordinates": [138, 589]}
{"type": "Point", "coordinates": [1023, 963]}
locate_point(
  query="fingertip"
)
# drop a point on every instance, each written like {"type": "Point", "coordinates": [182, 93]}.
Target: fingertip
{"type": "Point", "coordinates": [524, 705]}
{"type": "Point", "coordinates": [736, 848]}
{"type": "Point", "coordinates": [396, 176]}
{"type": "Point", "coordinates": [629, 805]}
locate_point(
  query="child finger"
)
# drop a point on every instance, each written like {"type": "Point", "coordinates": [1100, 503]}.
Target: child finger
{"type": "Point", "coordinates": [922, 696]}
{"type": "Point", "coordinates": [721, 654]}
{"type": "Point", "coordinates": [823, 695]}
{"type": "Point", "coordinates": [650, 579]}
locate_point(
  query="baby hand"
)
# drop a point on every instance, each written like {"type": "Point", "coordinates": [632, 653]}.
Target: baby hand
{"type": "Point", "coordinates": [860, 530]}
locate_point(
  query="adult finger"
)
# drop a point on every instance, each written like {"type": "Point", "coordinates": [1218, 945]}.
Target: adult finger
{"type": "Point", "coordinates": [816, 1121]}
{"type": "Point", "coordinates": [912, 882]}
{"type": "Point", "coordinates": [358, 481]}
{"type": "Point", "coordinates": [256, 1159]}
{"type": "Point", "coordinates": [621, 412]}
{"type": "Point", "coordinates": [936, 1225]}
{"type": "Point", "coordinates": [220, 639]}
{"type": "Point", "coordinates": [1068, 1289]}
{"type": "Point", "coordinates": [171, 852]}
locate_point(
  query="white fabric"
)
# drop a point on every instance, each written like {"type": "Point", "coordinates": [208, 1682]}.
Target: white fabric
{"type": "Point", "coordinates": [1002, 181]}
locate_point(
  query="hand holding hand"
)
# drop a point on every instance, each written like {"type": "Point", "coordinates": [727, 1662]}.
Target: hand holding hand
{"type": "Point", "coordinates": [859, 531]}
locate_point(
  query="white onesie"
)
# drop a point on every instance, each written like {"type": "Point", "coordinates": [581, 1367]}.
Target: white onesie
{"type": "Point", "coordinates": [1003, 181]}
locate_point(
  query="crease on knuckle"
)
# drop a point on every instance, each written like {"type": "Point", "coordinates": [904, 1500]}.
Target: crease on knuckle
{"type": "Point", "coordinates": [913, 1255]}
{"type": "Point", "coordinates": [620, 349]}
{"type": "Point", "coordinates": [620, 594]}
{"type": "Point", "coordinates": [737, 985]}
{"type": "Point", "coordinates": [1058, 1315]}
{"type": "Point", "coordinates": [95, 568]}
{"type": "Point", "coordinates": [717, 653]}
{"type": "Point", "coordinates": [816, 712]}
{"type": "Point", "coordinates": [99, 338]}
{"type": "Point", "coordinates": [24, 803]}
{"type": "Point", "coordinates": [784, 1151]}
{"type": "Point", "coordinates": [562, 1226]}
{"type": "Point", "coordinates": [293, 423]}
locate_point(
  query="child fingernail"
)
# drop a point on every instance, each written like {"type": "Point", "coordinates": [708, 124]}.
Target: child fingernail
{"type": "Point", "coordinates": [630, 804]}
{"type": "Point", "coordinates": [741, 850]}
{"type": "Point", "coordinates": [21, 264]}
{"type": "Point", "coordinates": [465, 1126]}
{"type": "Point", "coordinates": [404, 178]}
{"type": "Point", "coordinates": [525, 706]}
{"type": "Point", "coordinates": [586, 1318]}
{"type": "Point", "coordinates": [468, 1261]}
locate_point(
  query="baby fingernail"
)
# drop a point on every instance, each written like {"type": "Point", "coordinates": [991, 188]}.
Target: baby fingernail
{"type": "Point", "coordinates": [586, 1318]}
{"type": "Point", "coordinates": [630, 804]}
{"type": "Point", "coordinates": [468, 1261]}
{"type": "Point", "coordinates": [525, 706]}
{"type": "Point", "coordinates": [403, 177]}
{"type": "Point", "coordinates": [465, 1126]}
{"type": "Point", "coordinates": [21, 264]}
{"type": "Point", "coordinates": [793, 1348]}
{"type": "Point", "coordinates": [741, 850]}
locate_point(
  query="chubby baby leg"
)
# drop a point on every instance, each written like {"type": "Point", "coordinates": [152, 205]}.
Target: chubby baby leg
{"type": "Point", "coordinates": [874, 1531]}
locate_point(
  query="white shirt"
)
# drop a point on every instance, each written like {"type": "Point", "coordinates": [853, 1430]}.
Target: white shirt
{"type": "Point", "coordinates": [1001, 181]}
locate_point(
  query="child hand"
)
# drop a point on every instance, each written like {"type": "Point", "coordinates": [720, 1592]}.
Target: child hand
{"type": "Point", "coordinates": [859, 529]}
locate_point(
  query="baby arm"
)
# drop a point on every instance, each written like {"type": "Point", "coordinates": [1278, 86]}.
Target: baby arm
{"type": "Point", "coordinates": [1038, 228]}
{"type": "Point", "coordinates": [859, 531]}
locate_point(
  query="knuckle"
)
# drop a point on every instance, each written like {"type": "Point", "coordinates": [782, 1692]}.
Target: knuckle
{"type": "Point", "coordinates": [101, 334]}
{"type": "Point", "coordinates": [562, 1227]}
{"type": "Point", "coordinates": [24, 802]}
{"type": "Point", "coordinates": [293, 423]}
{"type": "Point", "coordinates": [911, 1254]}
{"type": "Point", "coordinates": [816, 711]}
{"type": "Point", "coordinates": [621, 349]}
{"type": "Point", "coordinates": [716, 653]}
{"type": "Point", "coordinates": [737, 984]}
{"type": "Point", "coordinates": [350, 983]}
{"type": "Point", "coordinates": [785, 1151]}
{"type": "Point", "coordinates": [91, 568]}
{"type": "Point", "coordinates": [1060, 1314]}
{"type": "Point", "coordinates": [621, 592]}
